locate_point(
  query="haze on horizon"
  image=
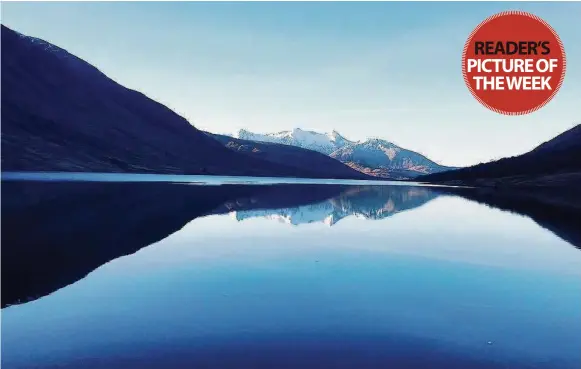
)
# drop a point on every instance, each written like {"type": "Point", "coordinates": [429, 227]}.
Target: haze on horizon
{"type": "Point", "coordinates": [389, 70]}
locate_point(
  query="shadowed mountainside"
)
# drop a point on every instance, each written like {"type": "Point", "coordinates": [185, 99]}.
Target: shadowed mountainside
{"type": "Point", "coordinates": [60, 113]}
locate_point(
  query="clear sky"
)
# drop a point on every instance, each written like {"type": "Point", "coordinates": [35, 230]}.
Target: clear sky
{"type": "Point", "coordinates": [389, 70]}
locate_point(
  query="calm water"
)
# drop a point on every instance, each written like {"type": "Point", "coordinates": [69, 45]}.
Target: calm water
{"type": "Point", "coordinates": [165, 275]}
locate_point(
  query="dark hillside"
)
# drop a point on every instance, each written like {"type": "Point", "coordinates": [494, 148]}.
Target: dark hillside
{"type": "Point", "coordinates": [560, 155]}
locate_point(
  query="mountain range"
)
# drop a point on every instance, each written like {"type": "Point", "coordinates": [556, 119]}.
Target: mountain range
{"type": "Point", "coordinates": [376, 157]}
{"type": "Point", "coordinates": [59, 113]}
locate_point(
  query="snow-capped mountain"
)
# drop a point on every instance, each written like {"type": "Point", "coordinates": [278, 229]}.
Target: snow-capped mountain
{"type": "Point", "coordinates": [325, 143]}
{"type": "Point", "coordinates": [372, 156]}
{"type": "Point", "coordinates": [377, 153]}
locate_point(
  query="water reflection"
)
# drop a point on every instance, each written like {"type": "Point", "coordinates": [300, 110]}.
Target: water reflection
{"type": "Point", "coordinates": [368, 202]}
{"type": "Point", "coordinates": [54, 233]}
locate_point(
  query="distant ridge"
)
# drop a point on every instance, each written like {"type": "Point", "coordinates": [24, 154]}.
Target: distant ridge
{"type": "Point", "coordinates": [374, 156]}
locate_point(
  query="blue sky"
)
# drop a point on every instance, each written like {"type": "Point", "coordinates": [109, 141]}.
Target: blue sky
{"type": "Point", "coordinates": [389, 70]}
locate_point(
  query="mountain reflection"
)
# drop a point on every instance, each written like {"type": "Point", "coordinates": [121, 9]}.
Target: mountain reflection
{"type": "Point", "coordinates": [55, 233]}
{"type": "Point", "coordinates": [367, 202]}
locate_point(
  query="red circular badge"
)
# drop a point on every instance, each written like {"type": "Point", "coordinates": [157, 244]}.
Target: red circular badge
{"type": "Point", "coordinates": [513, 63]}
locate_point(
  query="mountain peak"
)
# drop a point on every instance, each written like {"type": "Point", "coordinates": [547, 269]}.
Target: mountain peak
{"type": "Point", "coordinates": [335, 135]}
